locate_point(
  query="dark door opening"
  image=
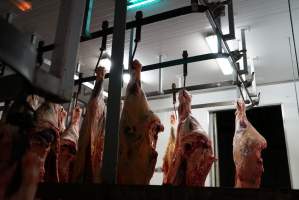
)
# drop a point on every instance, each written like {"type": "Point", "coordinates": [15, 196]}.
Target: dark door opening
{"type": "Point", "coordinates": [269, 123]}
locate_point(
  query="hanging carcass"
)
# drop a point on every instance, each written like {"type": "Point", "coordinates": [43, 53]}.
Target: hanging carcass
{"type": "Point", "coordinates": [69, 146]}
{"type": "Point", "coordinates": [44, 139]}
{"type": "Point", "coordinates": [139, 128]}
{"type": "Point", "coordinates": [167, 159]}
{"type": "Point", "coordinates": [88, 162]}
{"type": "Point", "coordinates": [247, 149]}
{"type": "Point", "coordinates": [193, 155]}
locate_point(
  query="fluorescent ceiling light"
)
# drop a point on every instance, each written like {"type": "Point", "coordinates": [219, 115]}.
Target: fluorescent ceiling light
{"type": "Point", "coordinates": [225, 66]}
{"type": "Point", "coordinates": [213, 43]}
{"type": "Point", "coordinates": [139, 3]}
{"type": "Point", "coordinates": [90, 85]}
{"type": "Point", "coordinates": [223, 63]}
{"type": "Point", "coordinates": [106, 63]}
{"type": "Point", "coordinates": [126, 78]}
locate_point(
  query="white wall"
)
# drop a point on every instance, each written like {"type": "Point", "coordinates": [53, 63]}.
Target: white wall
{"type": "Point", "coordinates": [283, 94]}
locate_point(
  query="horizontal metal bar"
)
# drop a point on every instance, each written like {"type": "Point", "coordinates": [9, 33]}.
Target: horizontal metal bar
{"type": "Point", "coordinates": [166, 64]}
{"type": "Point", "coordinates": [145, 21]}
{"type": "Point", "coordinates": [197, 106]}
{"type": "Point", "coordinates": [203, 86]}
{"type": "Point", "coordinates": [152, 95]}
{"type": "Point", "coordinates": [182, 61]}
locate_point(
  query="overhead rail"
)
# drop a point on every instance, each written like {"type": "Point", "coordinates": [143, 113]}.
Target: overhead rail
{"type": "Point", "coordinates": [144, 21]}
{"type": "Point", "coordinates": [213, 11]}
{"type": "Point", "coordinates": [166, 64]}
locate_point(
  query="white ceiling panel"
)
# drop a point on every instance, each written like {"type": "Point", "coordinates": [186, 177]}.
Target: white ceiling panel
{"type": "Point", "coordinates": [268, 35]}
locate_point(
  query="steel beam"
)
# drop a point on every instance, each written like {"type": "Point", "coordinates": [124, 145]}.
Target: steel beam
{"type": "Point", "coordinates": [166, 64]}
{"type": "Point", "coordinates": [17, 50]}
{"type": "Point", "coordinates": [145, 21]}
{"type": "Point", "coordinates": [110, 157]}
{"type": "Point", "coordinates": [67, 42]}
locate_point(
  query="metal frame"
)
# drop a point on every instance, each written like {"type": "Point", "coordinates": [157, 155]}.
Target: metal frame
{"type": "Point", "coordinates": [110, 156]}
{"type": "Point", "coordinates": [225, 46]}
{"type": "Point", "coordinates": [21, 53]}
{"type": "Point", "coordinates": [64, 58]}
{"type": "Point", "coordinates": [216, 25]}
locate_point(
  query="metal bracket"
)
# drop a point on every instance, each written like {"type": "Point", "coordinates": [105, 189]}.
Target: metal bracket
{"type": "Point", "coordinates": [103, 47]}
{"type": "Point", "coordinates": [79, 90]}
{"type": "Point", "coordinates": [185, 66]}
{"type": "Point", "coordinates": [139, 17]}
{"type": "Point", "coordinates": [196, 7]}
{"type": "Point", "coordinates": [231, 21]}
{"type": "Point", "coordinates": [105, 26]}
{"type": "Point", "coordinates": [173, 86]}
{"type": "Point", "coordinates": [217, 9]}
{"type": "Point", "coordinates": [247, 83]}
{"type": "Point", "coordinates": [40, 54]}
{"type": "Point", "coordinates": [236, 55]}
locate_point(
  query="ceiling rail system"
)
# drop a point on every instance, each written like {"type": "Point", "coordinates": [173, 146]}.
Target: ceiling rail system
{"type": "Point", "coordinates": [213, 11]}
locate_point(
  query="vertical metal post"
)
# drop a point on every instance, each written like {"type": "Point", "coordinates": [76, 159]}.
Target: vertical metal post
{"type": "Point", "coordinates": [218, 21]}
{"type": "Point", "coordinates": [67, 42]}
{"type": "Point", "coordinates": [245, 68]}
{"type": "Point", "coordinates": [110, 157]}
{"type": "Point", "coordinates": [231, 22]}
{"type": "Point", "coordinates": [160, 77]}
{"type": "Point", "coordinates": [132, 34]}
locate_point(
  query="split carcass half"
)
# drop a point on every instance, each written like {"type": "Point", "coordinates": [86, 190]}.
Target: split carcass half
{"type": "Point", "coordinates": [19, 167]}
{"type": "Point", "coordinates": [167, 160]}
{"type": "Point", "coordinates": [88, 162]}
{"type": "Point", "coordinates": [247, 148]}
{"type": "Point", "coordinates": [30, 165]}
{"type": "Point", "coordinates": [44, 139]}
{"type": "Point", "coordinates": [193, 155]}
{"type": "Point", "coordinates": [69, 146]}
{"type": "Point", "coordinates": [139, 128]}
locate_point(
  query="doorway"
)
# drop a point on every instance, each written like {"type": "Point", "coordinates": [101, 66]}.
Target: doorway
{"type": "Point", "coordinates": [268, 122]}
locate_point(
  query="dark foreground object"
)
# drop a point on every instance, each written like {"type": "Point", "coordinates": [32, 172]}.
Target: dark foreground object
{"type": "Point", "coordinates": [111, 192]}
